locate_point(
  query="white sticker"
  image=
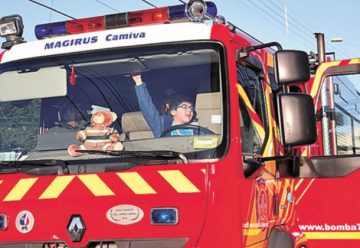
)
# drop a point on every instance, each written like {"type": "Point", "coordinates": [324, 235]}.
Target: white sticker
{"type": "Point", "coordinates": [95, 108]}
{"type": "Point", "coordinates": [124, 214]}
{"type": "Point", "coordinates": [8, 156]}
{"type": "Point", "coordinates": [216, 119]}
{"type": "Point", "coordinates": [24, 221]}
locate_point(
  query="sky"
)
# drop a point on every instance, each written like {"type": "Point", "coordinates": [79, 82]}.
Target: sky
{"type": "Point", "coordinates": [292, 23]}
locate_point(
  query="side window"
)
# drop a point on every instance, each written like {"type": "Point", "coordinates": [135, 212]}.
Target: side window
{"type": "Point", "coordinates": [250, 140]}
{"type": "Point", "coordinates": [342, 118]}
{"type": "Point", "coordinates": [251, 82]}
{"type": "Point", "coordinates": [252, 109]}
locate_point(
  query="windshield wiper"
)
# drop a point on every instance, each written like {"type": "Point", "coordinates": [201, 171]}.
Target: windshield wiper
{"type": "Point", "coordinates": [35, 167]}
{"type": "Point", "coordinates": [160, 154]}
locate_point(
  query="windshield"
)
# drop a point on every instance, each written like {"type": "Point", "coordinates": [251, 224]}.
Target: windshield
{"type": "Point", "coordinates": [98, 105]}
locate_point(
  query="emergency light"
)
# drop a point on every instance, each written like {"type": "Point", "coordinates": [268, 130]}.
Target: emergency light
{"type": "Point", "coordinates": [3, 222]}
{"type": "Point", "coordinates": [195, 10]}
{"type": "Point", "coordinates": [11, 28]}
{"type": "Point", "coordinates": [164, 216]}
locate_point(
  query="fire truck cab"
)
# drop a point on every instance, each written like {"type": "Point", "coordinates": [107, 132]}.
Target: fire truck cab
{"type": "Point", "coordinates": [215, 181]}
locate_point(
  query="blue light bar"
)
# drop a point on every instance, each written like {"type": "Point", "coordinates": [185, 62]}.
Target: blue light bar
{"type": "Point", "coordinates": [51, 29]}
{"type": "Point", "coordinates": [211, 9]}
{"type": "Point", "coordinates": [164, 216]}
{"type": "Point", "coordinates": [177, 12]}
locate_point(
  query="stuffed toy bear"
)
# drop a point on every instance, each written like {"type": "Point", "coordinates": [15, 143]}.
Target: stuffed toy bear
{"type": "Point", "coordinates": [98, 135]}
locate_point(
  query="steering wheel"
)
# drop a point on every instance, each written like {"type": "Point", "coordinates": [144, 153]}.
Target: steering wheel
{"type": "Point", "coordinates": [200, 130]}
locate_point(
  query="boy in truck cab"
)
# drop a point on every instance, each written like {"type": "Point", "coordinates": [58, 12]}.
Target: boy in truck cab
{"type": "Point", "coordinates": [181, 112]}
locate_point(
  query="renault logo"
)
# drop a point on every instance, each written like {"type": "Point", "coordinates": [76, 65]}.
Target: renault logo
{"type": "Point", "coordinates": [76, 228]}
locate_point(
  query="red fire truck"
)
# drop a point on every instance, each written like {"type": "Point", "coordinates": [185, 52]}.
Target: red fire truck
{"type": "Point", "coordinates": [233, 181]}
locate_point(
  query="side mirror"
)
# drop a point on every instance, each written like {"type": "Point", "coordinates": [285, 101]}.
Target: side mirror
{"type": "Point", "coordinates": [296, 119]}
{"type": "Point", "coordinates": [291, 66]}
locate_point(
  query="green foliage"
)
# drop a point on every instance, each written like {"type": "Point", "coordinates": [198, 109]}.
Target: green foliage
{"type": "Point", "coordinates": [19, 124]}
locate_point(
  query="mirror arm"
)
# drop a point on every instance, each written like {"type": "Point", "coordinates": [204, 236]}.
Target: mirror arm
{"type": "Point", "coordinates": [244, 52]}
{"type": "Point", "coordinates": [270, 44]}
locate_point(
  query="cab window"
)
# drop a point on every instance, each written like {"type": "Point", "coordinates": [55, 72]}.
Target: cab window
{"type": "Point", "coordinates": [252, 111]}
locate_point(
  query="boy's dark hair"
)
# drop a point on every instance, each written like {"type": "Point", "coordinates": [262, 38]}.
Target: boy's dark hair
{"type": "Point", "coordinates": [176, 100]}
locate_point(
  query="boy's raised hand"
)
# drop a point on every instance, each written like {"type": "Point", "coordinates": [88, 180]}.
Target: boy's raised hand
{"type": "Point", "coordinates": [137, 79]}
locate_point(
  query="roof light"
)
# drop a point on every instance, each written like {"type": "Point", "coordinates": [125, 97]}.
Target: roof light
{"type": "Point", "coordinates": [86, 25]}
{"type": "Point", "coordinates": [11, 28]}
{"type": "Point", "coordinates": [116, 21]}
{"type": "Point", "coordinates": [177, 12]}
{"type": "Point", "coordinates": [197, 9]}
{"type": "Point", "coordinates": [143, 17]}
{"type": "Point", "coordinates": [48, 30]}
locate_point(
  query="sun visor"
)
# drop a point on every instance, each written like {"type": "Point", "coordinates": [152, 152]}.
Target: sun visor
{"type": "Point", "coordinates": [23, 85]}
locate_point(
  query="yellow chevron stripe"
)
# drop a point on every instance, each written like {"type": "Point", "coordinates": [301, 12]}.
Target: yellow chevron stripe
{"type": "Point", "coordinates": [20, 189]}
{"type": "Point", "coordinates": [259, 129]}
{"type": "Point", "coordinates": [251, 231]}
{"type": "Point", "coordinates": [299, 183]}
{"type": "Point", "coordinates": [319, 73]}
{"type": "Point", "coordinates": [333, 235]}
{"type": "Point", "coordinates": [136, 183]}
{"type": "Point", "coordinates": [270, 60]}
{"type": "Point", "coordinates": [289, 208]}
{"type": "Point", "coordinates": [305, 190]}
{"type": "Point", "coordinates": [179, 182]}
{"type": "Point", "coordinates": [283, 197]}
{"type": "Point", "coordinates": [354, 61]}
{"type": "Point", "coordinates": [56, 187]}
{"type": "Point", "coordinates": [304, 152]}
{"type": "Point", "coordinates": [245, 97]}
{"type": "Point", "coordinates": [261, 244]}
{"type": "Point", "coordinates": [96, 185]}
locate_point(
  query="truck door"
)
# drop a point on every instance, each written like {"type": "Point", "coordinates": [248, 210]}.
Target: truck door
{"type": "Point", "coordinates": [338, 109]}
{"type": "Point", "coordinates": [326, 204]}
{"type": "Point", "coordinates": [256, 140]}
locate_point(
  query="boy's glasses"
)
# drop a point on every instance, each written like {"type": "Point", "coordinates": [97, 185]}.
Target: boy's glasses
{"type": "Point", "coordinates": [185, 107]}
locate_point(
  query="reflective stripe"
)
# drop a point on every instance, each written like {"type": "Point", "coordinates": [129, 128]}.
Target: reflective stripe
{"type": "Point", "coordinates": [251, 232]}
{"type": "Point", "coordinates": [56, 187]}
{"type": "Point", "coordinates": [255, 119]}
{"type": "Point", "coordinates": [299, 183]}
{"type": "Point", "coordinates": [136, 183]}
{"type": "Point", "coordinates": [178, 181]}
{"type": "Point", "coordinates": [304, 191]}
{"type": "Point", "coordinates": [20, 189]}
{"type": "Point", "coordinates": [354, 61]}
{"type": "Point", "coordinates": [96, 185]}
{"type": "Point", "coordinates": [319, 73]}
{"type": "Point", "coordinates": [332, 235]}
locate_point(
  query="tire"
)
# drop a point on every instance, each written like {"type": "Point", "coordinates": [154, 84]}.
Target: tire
{"type": "Point", "coordinates": [280, 239]}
